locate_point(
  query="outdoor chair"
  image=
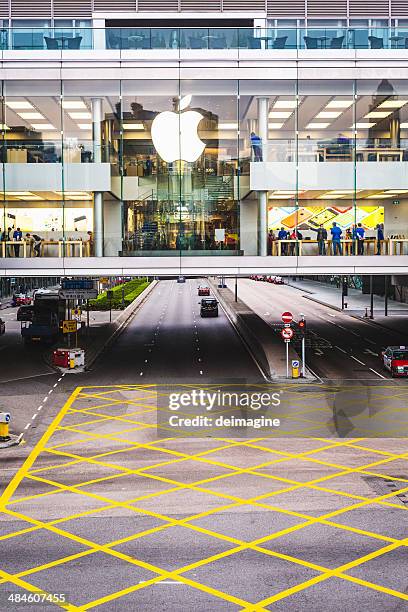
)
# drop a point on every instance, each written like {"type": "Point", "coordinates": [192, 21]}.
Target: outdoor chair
{"type": "Point", "coordinates": [376, 42]}
{"type": "Point", "coordinates": [254, 43]}
{"type": "Point", "coordinates": [74, 43]}
{"type": "Point", "coordinates": [279, 42]}
{"type": "Point", "coordinates": [51, 43]}
{"type": "Point", "coordinates": [310, 42]}
{"type": "Point", "coordinates": [337, 43]}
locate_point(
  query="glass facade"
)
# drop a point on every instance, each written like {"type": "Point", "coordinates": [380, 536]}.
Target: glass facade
{"type": "Point", "coordinates": [162, 167]}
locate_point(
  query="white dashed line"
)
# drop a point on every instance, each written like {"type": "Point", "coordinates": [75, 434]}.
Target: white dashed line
{"type": "Point", "coordinates": [340, 349]}
{"type": "Point", "coordinates": [56, 385]}
{"type": "Point", "coordinates": [141, 374]}
{"type": "Point", "coordinates": [50, 391]}
{"type": "Point", "coordinates": [34, 416]}
{"type": "Point", "coordinates": [27, 426]}
{"type": "Point", "coordinates": [39, 408]}
{"type": "Point", "coordinates": [378, 374]}
{"type": "Point", "coordinates": [45, 399]}
{"type": "Point", "coordinates": [59, 380]}
{"type": "Point", "coordinates": [201, 372]}
{"type": "Point", "coordinates": [358, 361]}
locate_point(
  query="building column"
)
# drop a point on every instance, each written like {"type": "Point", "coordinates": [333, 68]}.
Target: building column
{"type": "Point", "coordinates": [97, 158]}
{"type": "Point", "coordinates": [263, 111]}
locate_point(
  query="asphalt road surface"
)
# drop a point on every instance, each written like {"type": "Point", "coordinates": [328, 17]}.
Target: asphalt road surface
{"type": "Point", "coordinates": [117, 519]}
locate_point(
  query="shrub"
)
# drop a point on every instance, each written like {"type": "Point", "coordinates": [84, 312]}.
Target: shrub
{"type": "Point", "coordinates": [132, 289]}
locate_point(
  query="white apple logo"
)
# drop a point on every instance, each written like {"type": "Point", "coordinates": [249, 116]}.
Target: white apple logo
{"type": "Point", "coordinates": [175, 135]}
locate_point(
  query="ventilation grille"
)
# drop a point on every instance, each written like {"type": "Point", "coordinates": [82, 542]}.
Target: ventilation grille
{"type": "Point", "coordinates": [374, 8]}
{"type": "Point", "coordinates": [114, 6]}
{"type": "Point", "coordinates": [195, 6]}
{"type": "Point", "coordinates": [315, 8]}
{"type": "Point", "coordinates": [39, 8]}
{"type": "Point", "coordinates": [4, 8]}
{"type": "Point", "coordinates": [244, 5]}
{"type": "Point", "coordinates": [72, 8]}
{"type": "Point", "coordinates": [283, 8]}
{"type": "Point", "coordinates": [399, 8]}
{"type": "Point", "coordinates": [157, 6]}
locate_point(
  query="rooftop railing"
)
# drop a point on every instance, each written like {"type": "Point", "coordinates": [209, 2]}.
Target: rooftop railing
{"type": "Point", "coordinates": [135, 38]}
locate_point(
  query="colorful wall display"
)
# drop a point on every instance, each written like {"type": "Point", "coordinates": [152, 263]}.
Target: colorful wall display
{"type": "Point", "coordinates": [310, 217]}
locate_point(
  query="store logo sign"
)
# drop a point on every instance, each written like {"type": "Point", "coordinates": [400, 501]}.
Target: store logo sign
{"type": "Point", "coordinates": [175, 135]}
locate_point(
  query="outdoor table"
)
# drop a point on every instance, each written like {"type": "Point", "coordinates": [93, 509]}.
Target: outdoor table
{"type": "Point", "coordinates": [395, 40]}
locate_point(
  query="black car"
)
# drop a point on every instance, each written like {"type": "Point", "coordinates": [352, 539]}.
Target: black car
{"type": "Point", "coordinates": [25, 313]}
{"type": "Point", "coordinates": [209, 307]}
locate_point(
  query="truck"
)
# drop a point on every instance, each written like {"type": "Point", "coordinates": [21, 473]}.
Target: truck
{"type": "Point", "coordinates": [47, 316]}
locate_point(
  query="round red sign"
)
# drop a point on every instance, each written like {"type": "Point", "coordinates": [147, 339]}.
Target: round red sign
{"type": "Point", "coordinates": [287, 317]}
{"type": "Point", "coordinates": [287, 333]}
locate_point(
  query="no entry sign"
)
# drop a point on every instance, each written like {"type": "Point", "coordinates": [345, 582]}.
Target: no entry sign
{"type": "Point", "coordinates": [287, 333]}
{"type": "Point", "coordinates": [287, 317]}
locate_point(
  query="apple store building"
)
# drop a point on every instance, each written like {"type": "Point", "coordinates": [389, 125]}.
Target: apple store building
{"type": "Point", "coordinates": [150, 166]}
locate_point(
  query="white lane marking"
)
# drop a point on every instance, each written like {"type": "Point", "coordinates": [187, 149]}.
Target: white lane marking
{"type": "Point", "coordinates": [141, 374]}
{"type": "Point", "coordinates": [45, 399]}
{"type": "Point", "coordinates": [370, 341]}
{"type": "Point", "coordinates": [27, 426]}
{"type": "Point", "coordinates": [56, 385]}
{"type": "Point", "coordinates": [331, 314]}
{"type": "Point", "coordinates": [50, 391]}
{"type": "Point", "coordinates": [39, 408]}
{"type": "Point", "coordinates": [355, 359]}
{"type": "Point", "coordinates": [201, 372]}
{"type": "Point", "coordinates": [340, 349]}
{"type": "Point", "coordinates": [370, 352]}
{"type": "Point", "coordinates": [378, 374]}
{"type": "Point", "coordinates": [318, 352]}
{"type": "Point", "coordinates": [59, 380]}
{"type": "Point", "coordinates": [34, 416]}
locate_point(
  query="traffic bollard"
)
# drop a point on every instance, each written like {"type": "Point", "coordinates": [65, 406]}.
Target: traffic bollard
{"type": "Point", "coordinates": [4, 426]}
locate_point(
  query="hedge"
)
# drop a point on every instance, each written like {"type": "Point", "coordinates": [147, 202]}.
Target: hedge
{"type": "Point", "coordinates": [132, 289]}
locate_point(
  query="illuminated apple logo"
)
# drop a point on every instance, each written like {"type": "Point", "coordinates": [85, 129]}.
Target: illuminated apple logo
{"type": "Point", "coordinates": [175, 135]}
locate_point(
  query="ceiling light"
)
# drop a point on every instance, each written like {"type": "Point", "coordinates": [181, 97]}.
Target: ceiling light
{"type": "Point", "coordinates": [18, 193]}
{"type": "Point", "coordinates": [392, 103]}
{"type": "Point", "coordinates": [72, 104]}
{"type": "Point", "coordinates": [280, 114]}
{"type": "Point", "coordinates": [391, 191]}
{"type": "Point", "coordinates": [377, 197]}
{"type": "Point", "coordinates": [317, 126]}
{"type": "Point", "coordinates": [80, 115]}
{"type": "Point", "coordinates": [72, 193]}
{"type": "Point", "coordinates": [226, 126]}
{"type": "Point", "coordinates": [3, 126]}
{"type": "Point", "coordinates": [328, 115]}
{"type": "Point", "coordinates": [17, 104]}
{"type": "Point", "coordinates": [31, 116]}
{"type": "Point", "coordinates": [404, 125]}
{"type": "Point", "coordinates": [85, 126]}
{"type": "Point", "coordinates": [363, 125]}
{"type": "Point", "coordinates": [133, 126]}
{"type": "Point", "coordinates": [87, 197]}
{"type": "Point", "coordinates": [285, 104]}
{"type": "Point", "coordinates": [377, 114]}
{"type": "Point", "coordinates": [339, 104]}
{"type": "Point", "coordinates": [29, 198]}
{"type": "Point", "coordinates": [43, 126]}
{"type": "Point", "coordinates": [275, 126]}
{"type": "Point", "coordinates": [280, 197]}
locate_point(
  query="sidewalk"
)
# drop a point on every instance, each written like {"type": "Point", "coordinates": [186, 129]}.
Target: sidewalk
{"type": "Point", "coordinates": [357, 303]}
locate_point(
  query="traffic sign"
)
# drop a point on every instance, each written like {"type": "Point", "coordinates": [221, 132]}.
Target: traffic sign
{"type": "Point", "coordinates": [78, 294]}
{"type": "Point", "coordinates": [287, 317]}
{"type": "Point", "coordinates": [287, 333]}
{"type": "Point", "coordinates": [295, 363]}
{"type": "Point", "coordinates": [69, 327]}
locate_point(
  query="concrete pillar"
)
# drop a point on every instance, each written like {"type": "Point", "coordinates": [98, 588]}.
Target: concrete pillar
{"type": "Point", "coordinates": [263, 111]}
{"type": "Point", "coordinates": [97, 158]}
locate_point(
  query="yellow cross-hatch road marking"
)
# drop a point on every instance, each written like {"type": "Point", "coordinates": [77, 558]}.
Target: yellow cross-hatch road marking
{"type": "Point", "coordinates": [110, 432]}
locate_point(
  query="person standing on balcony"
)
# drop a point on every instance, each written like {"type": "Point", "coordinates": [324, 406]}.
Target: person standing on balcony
{"type": "Point", "coordinates": [17, 237]}
{"type": "Point", "coordinates": [360, 239]}
{"type": "Point", "coordinates": [256, 144]}
{"type": "Point", "coordinates": [271, 240]}
{"type": "Point", "coordinates": [283, 235]}
{"type": "Point", "coordinates": [336, 238]}
{"type": "Point", "coordinates": [321, 238]}
{"type": "Point", "coordinates": [380, 237]}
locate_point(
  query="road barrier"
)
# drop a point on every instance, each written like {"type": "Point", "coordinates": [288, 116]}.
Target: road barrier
{"type": "Point", "coordinates": [5, 418]}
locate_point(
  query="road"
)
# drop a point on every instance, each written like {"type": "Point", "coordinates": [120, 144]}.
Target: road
{"type": "Point", "coordinates": [118, 519]}
{"type": "Point", "coordinates": [339, 347]}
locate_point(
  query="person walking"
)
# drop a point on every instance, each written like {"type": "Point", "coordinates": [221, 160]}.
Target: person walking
{"type": "Point", "coordinates": [360, 233]}
{"type": "Point", "coordinates": [321, 236]}
{"type": "Point", "coordinates": [256, 144]}
{"type": "Point", "coordinates": [37, 245]}
{"type": "Point", "coordinates": [336, 237]}
{"type": "Point", "coordinates": [17, 237]}
{"type": "Point", "coordinates": [380, 237]}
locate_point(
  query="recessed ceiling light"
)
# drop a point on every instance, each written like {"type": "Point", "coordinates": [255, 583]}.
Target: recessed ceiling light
{"type": "Point", "coordinates": [275, 126]}
{"type": "Point", "coordinates": [85, 126]}
{"type": "Point", "coordinates": [133, 126]}
{"type": "Point", "coordinates": [339, 104]}
{"type": "Point", "coordinates": [379, 196]}
{"type": "Point", "coordinates": [29, 198]}
{"type": "Point", "coordinates": [72, 104]}
{"type": "Point", "coordinates": [404, 125]}
{"type": "Point", "coordinates": [43, 126]}
{"type": "Point", "coordinates": [392, 103]}
{"type": "Point", "coordinates": [285, 104]}
{"type": "Point", "coordinates": [80, 115]}
{"type": "Point", "coordinates": [280, 197]}
{"type": "Point", "coordinates": [31, 115]}
{"type": "Point", "coordinates": [18, 104]}
{"type": "Point", "coordinates": [328, 114]}
{"type": "Point", "coordinates": [317, 126]}
{"type": "Point", "coordinates": [391, 191]}
{"type": "Point", "coordinates": [280, 114]}
{"type": "Point", "coordinates": [18, 193]}
{"type": "Point", "coordinates": [377, 114]}
{"type": "Point", "coordinates": [364, 124]}
{"type": "Point", "coordinates": [223, 126]}
{"type": "Point", "coordinates": [72, 193]}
